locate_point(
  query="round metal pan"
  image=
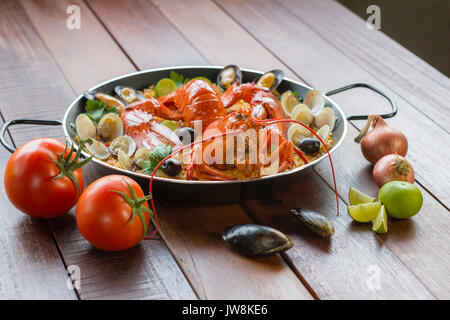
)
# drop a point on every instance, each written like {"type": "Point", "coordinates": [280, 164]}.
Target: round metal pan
{"type": "Point", "coordinates": [145, 78]}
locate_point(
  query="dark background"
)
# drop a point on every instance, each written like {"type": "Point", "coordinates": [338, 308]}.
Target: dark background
{"type": "Point", "coordinates": [422, 26]}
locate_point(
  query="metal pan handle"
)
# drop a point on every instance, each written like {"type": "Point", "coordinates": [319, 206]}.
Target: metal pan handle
{"type": "Point", "coordinates": [368, 86]}
{"type": "Point", "coordinates": [23, 121]}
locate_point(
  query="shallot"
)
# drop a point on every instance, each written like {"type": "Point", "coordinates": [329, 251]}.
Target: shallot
{"type": "Point", "coordinates": [381, 140]}
{"type": "Point", "coordinates": [392, 167]}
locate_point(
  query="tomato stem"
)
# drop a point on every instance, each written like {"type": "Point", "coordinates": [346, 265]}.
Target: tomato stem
{"type": "Point", "coordinates": [67, 166]}
{"type": "Point", "coordinates": [137, 206]}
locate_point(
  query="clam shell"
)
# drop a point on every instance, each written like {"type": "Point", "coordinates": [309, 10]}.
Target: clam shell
{"type": "Point", "coordinates": [303, 114]}
{"type": "Point", "coordinates": [124, 160]}
{"type": "Point", "coordinates": [110, 126]}
{"type": "Point", "coordinates": [97, 149]}
{"type": "Point", "coordinates": [85, 127]}
{"type": "Point", "coordinates": [297, 132]}
{"type": "Point", "coordinates": [288, 102]}
{"type": "Point", "coordinates": [324, 132]}
{"type": "Point", "coordinates": [327, 117]}
{"type": "Point", "coordinates": [142, 154]}
{"type": "Point", "coordinates": [257, 240]}
{"type": "Point", "coordinates": [270, 79]}
{"type": "Point", "coordinates": [229, 75]}
{"type": "Point", "coordinates": [314, 100]}
{"type": "Point", "coordinates": [124, 143]}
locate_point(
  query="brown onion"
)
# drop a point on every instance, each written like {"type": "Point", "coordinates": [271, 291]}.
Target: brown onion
{"type": "Point", "coordinates": [381, 140]}
{"type": "Point", "coordinates": [392, 168]}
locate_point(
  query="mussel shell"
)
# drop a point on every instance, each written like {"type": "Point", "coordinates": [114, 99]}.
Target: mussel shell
{"type": "Point", "coordinates": [128, 94]}
{"type": "Point", "coordinates": [256, 240]}
{"type": "Point", "coordinates": [278, 77]}
{"type": "Point", "coordinates": [109, 100]}
{"type": "Point", "coordinates": [314, 221]}
{"type": "Point", "coordinates": [229, 75]}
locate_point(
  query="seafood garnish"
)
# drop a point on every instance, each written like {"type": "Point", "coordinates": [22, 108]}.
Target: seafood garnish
{"type": "Point", "coordinates": [228, 76]}
{"type": "Point", "coordinates": [256, 240]}
{"type": "Point", "coordinates": [314, 221]}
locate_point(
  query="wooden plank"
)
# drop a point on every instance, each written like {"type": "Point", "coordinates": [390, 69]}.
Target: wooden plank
{"type": "Point", "coordinates": [218, 37]}
{"type": "Point", "coordinates": [30, 265]}
{"type": "Point", "coordinates": [188, 254]}
{"type": "Point", "coordinates": [63, 43]}
{"type": "Point", "coordinates": [324, 66]}
{"type": "Point", "coordinates": [413, 79]}
{"type": "Point", "coordinates": [27, 64]}
{"type": "Point", "coordinates": [420, 242]}
{"type": "Point", "coordinates": [144, 34]}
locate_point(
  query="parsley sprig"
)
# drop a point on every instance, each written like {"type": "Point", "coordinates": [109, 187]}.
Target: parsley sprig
{"type": "Point", "coordinates": [96, 109]}
{"type": "Point", "coordinates": [156, 156]}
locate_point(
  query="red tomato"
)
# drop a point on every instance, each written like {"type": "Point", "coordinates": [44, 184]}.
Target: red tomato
{"type": "Point", "coordinates": [105, 217]}
{"type": "Point", "coordinates": [30, 178]}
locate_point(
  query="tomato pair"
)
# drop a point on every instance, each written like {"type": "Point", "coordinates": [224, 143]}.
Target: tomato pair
{"type": "Point", "coordinates": [43, 178]}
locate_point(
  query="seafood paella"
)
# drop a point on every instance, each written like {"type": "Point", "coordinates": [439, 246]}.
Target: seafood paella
{"type": "Point", "coordinates": [207, 129]}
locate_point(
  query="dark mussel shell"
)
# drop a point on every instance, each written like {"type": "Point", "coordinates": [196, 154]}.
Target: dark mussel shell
{"type": "Point", "coordinates": [128, 94]}
{"type": "Point", "coordinates": [229, 75]}
{"type": "Point", "coordinates": [109, 100]}
{"type": "Point", "coordinates": [270, 79]}
{"type": "Point", "coordinates": [314, 221]}
{"type": "Point", "coordinates": [256, 240]}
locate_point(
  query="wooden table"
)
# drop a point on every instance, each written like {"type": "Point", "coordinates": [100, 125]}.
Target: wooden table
{"type": "Point", "coordinates": [44, 65]}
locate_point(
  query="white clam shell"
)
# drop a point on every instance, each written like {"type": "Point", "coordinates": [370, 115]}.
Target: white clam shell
{"type": "Point", "coordinates": [297, 132]}
{"type": "Point", "coordinates": [85, 127]}
{"type": "Point", "coordinates": [97, 149]}
{"type": "Point", "coordinates": [288, 102]}
{"type": "Point", "coordinates": [124, 160]}
{"type": "Point", "coordinates": [124, 143]}
{"type": "Point", "coordinates": [303, 114]}
{"type": "Point", "coordinates": [315, 101]}
{"type": "Point", "coordinates": [142, 154]}
{"type": "Point", "coordinates": [110, 126]}
{"type": "Point", "coordinates": [325, 117]}
{"type": "Point", "coordinates": [324, 132]}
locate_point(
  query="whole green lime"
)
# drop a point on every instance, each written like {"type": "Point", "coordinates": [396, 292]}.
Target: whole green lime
{"type": "Point", "coordinates": [401, 199]}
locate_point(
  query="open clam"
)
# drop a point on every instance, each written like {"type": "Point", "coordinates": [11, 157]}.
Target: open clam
{"type": "Point", "coordinates": [97, 149]}
{"type": "Point", "coordinates": [142, 154]}
{"type": "Point", "coordinates": [327, 117]}
{"type": "Point", "coordinates": [257, 240]}
{"type": "Point", "coordinates": [124, 143]}
{"type": "Point", "coordinates": [315, 101]}
{"type": "Point", "coordinates": [324, 132]}
{"type": "Point", "coordinates": [124, 160]}
{"type": "Point", "coordinates": [229, 75]}
{"type": "Point", "coordinates": [85, 127]}
{"type": "Point", "coordinates": [288, 101]}
{"type": "Point", "coordinates": [270, 79]}
{"type": "Point", "coordinates": [297, 132]}
{"type": "Point", "coordinates": [110, 126]}
{"type": "Point", "coordinates": [303, 114]}
{"type": "Point", "coordinates": [128, 94]}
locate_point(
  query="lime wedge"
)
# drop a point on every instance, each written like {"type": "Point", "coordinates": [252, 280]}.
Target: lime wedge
{"type": "Point", "coordinates": [380, 223]}
{"type": "Point", "coordinates": [364, 212]}
{"type": "Point", "coordinates": [202, 78]}
{"type": "Point", "coordinates": [165, 86]}
{"type": "Point", "coordinates": [357, 197]}
{"type": "Point", "coordinates": [172, 125]}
